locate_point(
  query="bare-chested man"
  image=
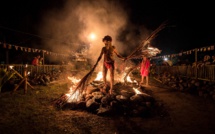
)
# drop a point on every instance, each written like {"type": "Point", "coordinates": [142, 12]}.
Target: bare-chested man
{"type": "Point", "coordinates": [108, 51]}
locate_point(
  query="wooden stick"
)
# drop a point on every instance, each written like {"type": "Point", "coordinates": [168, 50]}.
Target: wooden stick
{"type": "Point", "coordinates": [147, 40]}
{"type": "Point", "coordinates": [22, 78]}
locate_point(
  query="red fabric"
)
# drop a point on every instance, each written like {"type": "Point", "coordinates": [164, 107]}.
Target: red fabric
{"type": "Point", "coordinates": [144, 69]}
{"type": "Point", "coordinates": [108, 65]}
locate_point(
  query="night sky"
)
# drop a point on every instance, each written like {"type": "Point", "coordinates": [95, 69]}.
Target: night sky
{"type": "Point", "coordinates": [190, 25]}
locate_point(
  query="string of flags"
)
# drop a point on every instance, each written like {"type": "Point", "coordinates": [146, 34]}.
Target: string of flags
{"type": "Point", "coordinates": [34, 50]}
{"type": "Point", "coordinates": [203, 49]}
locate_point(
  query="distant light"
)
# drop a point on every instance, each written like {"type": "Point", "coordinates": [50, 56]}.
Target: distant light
{"type": "Point", "coordinates": [11, 67]}
{"type": "Point", "coordinates": [92, 36]}
{"type": "Point", "coordinates": [165, 59]}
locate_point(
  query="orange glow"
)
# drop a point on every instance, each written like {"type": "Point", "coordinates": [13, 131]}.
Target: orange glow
{"type": "Point", "coordinates": [99, 76]}
{"type": "Point", "coordinates": [92, 36]}
{"type": "Point", "coordinates": [74, 80]}
{"type": "Point", "coordinates": [73, 96]}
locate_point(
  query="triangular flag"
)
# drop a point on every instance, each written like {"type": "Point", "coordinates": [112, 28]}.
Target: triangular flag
{"type": "Point", "coordinates": [16, 47]}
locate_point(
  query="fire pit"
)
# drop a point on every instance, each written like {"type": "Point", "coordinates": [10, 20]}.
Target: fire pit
{"type": "Point", "coordinates": [129, 99]}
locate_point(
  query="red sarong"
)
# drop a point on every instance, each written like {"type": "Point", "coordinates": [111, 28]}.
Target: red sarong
{"type": "Point", "coordinates": [144, 69]}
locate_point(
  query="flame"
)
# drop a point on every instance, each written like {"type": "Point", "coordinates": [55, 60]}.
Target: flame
{"type": "Point", "coordinates": [137, 91]}
{"type": "Point", "coordinates": [99, 76]}
{"type": "Point", "coordinates": [73, 79]}
{"type": "Point", "coordinates": [73, 96]}
{"type": "Point", "coordinates": [129, 79]}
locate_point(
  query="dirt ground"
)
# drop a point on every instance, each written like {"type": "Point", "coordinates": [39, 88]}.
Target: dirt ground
{"type": "Point", "coordinates": [176, 113]}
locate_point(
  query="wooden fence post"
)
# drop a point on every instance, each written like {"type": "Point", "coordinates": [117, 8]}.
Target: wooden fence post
{"type": "Point", "coordinates": [196, 60]}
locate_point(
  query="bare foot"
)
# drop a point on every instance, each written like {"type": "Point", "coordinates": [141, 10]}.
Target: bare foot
{"type": "Point", "coordinates": [147, 85]}
{"type": "Point", "coordinates": [103, 90]}
{"type": "Point", "coordinates": [111, 91]}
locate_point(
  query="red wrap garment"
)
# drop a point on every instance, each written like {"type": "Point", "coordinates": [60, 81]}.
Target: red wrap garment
{"type": "Point", "coordinates": [144, 68]}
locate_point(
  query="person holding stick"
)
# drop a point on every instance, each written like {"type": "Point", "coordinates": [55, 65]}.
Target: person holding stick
{"type": "Point", "coordinates": [108, 64]}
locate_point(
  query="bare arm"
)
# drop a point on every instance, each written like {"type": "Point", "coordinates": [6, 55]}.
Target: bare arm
{"type": "Point", "coordinates": [118, 55]}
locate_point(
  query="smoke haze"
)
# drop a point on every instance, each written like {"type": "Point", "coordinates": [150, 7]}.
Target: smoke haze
{"type": "Point", "coordinates": [70, 27]}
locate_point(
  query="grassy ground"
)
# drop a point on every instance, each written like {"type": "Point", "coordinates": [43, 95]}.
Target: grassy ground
{"type": "Point", "coordinates": [34, 113]}
{"type": "Point", "coordinates": [23, 113]}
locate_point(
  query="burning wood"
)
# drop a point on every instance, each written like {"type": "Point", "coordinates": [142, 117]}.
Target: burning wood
{"type": "Point", "coordinates": [127, 100]}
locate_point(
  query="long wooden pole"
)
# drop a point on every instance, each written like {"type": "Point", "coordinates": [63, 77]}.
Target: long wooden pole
{"type": "Point", "coordinates": [26, 79]}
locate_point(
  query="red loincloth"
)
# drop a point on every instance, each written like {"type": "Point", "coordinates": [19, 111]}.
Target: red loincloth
{"type": "Point", "coordinates": [108, 64]}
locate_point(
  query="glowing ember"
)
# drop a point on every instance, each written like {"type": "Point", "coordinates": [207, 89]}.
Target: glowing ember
{"type": "Point", "coordinates": [99, 76]}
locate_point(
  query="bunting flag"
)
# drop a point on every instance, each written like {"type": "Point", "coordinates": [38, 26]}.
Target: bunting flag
{"type": "Point", "coordinates": [16, 47]}
{"type": "Point", "coordinates": [72, 53]}
{"type": "Point", "coordinates": [209, 48]}
{"type": "Point", "coordinates": [5, 45]}
{"type": "Point", "coordinates": [9, 46]}
{"type": "Point", "coordinates": [212, 47]}
{"type": "Point", "coordinates": [204, 49]}
{"type": "Point", "coordinates": [35, 50]}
